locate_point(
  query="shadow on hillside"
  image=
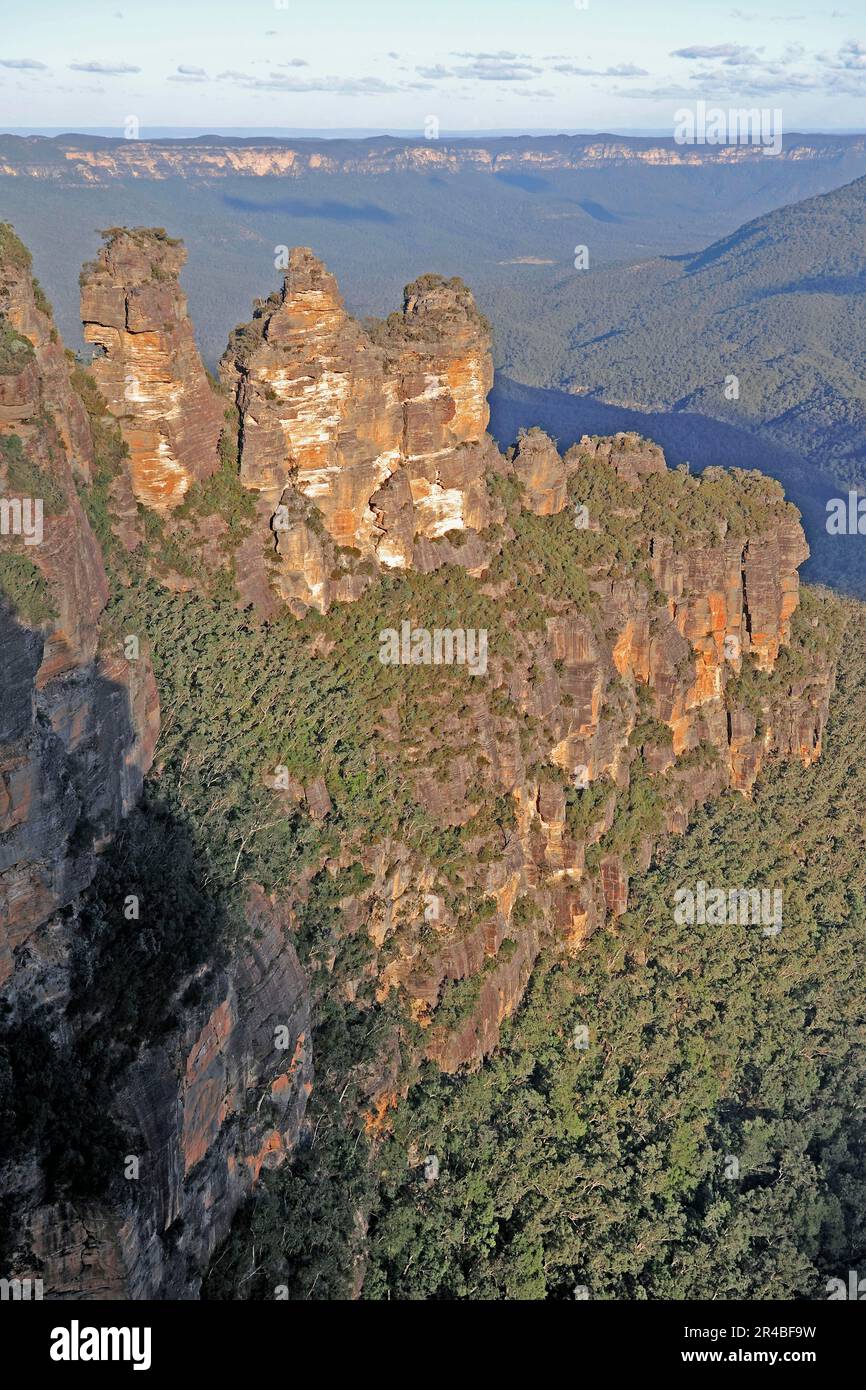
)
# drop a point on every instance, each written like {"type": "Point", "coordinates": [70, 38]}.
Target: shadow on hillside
{"type": "Point", "coordinates": [528, 183]}
{"type": "Point", "coordinates": [598, 212]}
{"type": "Point", "coordinates": [328, 208]}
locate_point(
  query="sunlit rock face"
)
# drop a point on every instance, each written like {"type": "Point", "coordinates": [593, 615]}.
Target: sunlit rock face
{"type": "Point", "coordinates": [148, 366]}
{"type": "Point", "coordinates": [542, 471]}
{"type": "Point", "coordinates": [368, 440]}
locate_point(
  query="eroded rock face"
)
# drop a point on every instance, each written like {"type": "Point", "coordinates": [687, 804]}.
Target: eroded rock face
{"type": "Point", "coordinates": [542, 471]}
{"type": "Point", "coordinates": [148, 366]}
{"type": "Point", "coordinates": [370, 444]}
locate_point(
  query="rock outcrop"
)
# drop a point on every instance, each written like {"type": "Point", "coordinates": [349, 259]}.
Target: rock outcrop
{"type": "Point", "coordinates": [147, 365]}
{"type": "Point", "coordinates": [364, 446]}
{"type": "Point", "coordinates": [366, 451]}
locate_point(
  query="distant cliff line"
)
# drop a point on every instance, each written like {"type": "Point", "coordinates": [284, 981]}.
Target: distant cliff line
{"type": "Point", "coordinates": [98, 159]}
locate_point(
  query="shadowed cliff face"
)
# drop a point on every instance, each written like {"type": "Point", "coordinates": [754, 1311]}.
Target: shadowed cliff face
{"type": "Point", "coordinates": [205, 1110]}
{"type": "Point", "coordinates": [148, 367]}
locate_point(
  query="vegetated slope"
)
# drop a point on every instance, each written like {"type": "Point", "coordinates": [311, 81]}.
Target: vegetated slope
{"type": "Point", "coordinates": [706, 1143]}
{"type": "Point", "coordinates": [780, 304]}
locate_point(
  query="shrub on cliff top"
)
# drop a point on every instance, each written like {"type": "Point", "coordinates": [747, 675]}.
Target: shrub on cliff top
{"type": "Point", "coordinates": [25, 589]}
{"type": "Point", "coordinates": [13, 252]}
{"type": "Point", "coordinates": [26, 478]}
{"type": "Point", "coordinates": [15, 350]}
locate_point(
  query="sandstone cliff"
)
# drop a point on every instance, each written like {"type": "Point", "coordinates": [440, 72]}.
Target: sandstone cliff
{"type": "Point", "coordinates": [78, 720]}
{"type": "Point", "coordinates": [365, 449]}
{"type": "Point", "coordinates": [436, 826]}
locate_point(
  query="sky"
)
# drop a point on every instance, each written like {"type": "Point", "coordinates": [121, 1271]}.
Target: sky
{"type": "Point", "coordinates": [395, 64]}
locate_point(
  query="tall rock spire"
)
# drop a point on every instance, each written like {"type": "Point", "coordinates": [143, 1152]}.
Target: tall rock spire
{"type": "Point", "coordinates": [148, 366]}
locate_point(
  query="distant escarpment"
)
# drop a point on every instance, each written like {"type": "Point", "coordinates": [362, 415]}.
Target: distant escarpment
{"type": "Point", "coordinates": [99, 160]}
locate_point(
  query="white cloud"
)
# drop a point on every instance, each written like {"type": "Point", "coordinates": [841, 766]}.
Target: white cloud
{"type": "Point", "coordinates": [732, 54]}
{"type": "Point", "coordinates": [105, 69]}
{"type": "Point", "coordinates": [343, 86]}
{"type": "Point", "coordinates": [850, 58]}
{"type": "Point", "coordinates": [622, 70]}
